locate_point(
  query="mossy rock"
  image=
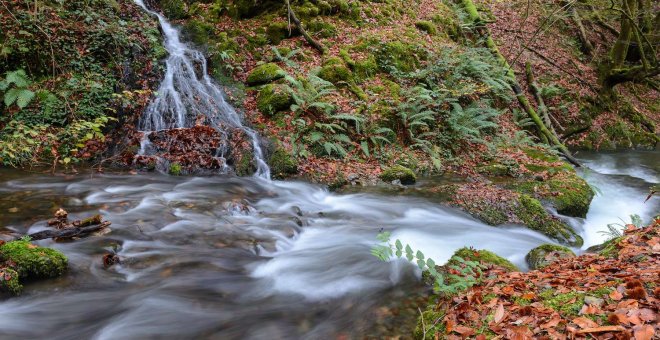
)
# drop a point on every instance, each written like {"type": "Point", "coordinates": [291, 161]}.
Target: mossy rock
{"type": "Point", "coordinates": [398, 56]}
{"type": "Point", "coordinates": [174, 9]}
{"type": "Point", "coordinates": [282, 164]}
{"type": "Point", "coordinates": [544, 255]}
{"type": "Point", "coordinates": [498, 170]}
{"type": "Point", "coordinates": [531, 212]}
{"type": "Point", "coordinates": [33, 262]}
{"type": "Point", "coordinates": [322, 29]}
{"type": "Point", "coordinates": [198, 32]}
{"type": "Point", "coordinates": [335, 73]}
{"type": "Point", "coordinates": [399, 172]}
{"type": "Point", "coordinates": [484, 257]}
{"type": "Point", "coordinates": [426, 26]}
{"type": "Point", "coordinates": [245, 165]}
{"type": "Point", "coordinates": [9, 281]}
{"type": "Point", "coordinates": [175, 169]}
{"type": "Point", "coordinates": [568, 193]}
{"type": "Point", "coordinates": [274, 98]}
{"type": "Point", "coordinates": [278, 31]}
{"type": "Point", "coordinates": [264, 74]}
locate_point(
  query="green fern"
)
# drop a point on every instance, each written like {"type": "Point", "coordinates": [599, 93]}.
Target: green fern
{"type": "Point", "coordinates": [19, 92]}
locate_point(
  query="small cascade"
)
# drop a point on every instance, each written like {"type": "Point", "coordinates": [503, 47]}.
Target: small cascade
{"type": "Point", "coordinates": [188, 97]}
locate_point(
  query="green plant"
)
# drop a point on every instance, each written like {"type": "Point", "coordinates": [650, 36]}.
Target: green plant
{"type": "Point", "coordinates": [469, 123]}
{"type": "Point", "coordinates": [15, 89]}
{"type": "Point", "coordinates": [614, 230]}
{"type": "Point", "coordinates": [449, 283]}
{"type": "Point", "coordinates": [285, 58]}
{"type": "Point", "coordinates": [415, 116]}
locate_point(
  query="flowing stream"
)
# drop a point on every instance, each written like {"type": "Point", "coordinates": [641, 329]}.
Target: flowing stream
{"type": "Point", "coordinates": [247, 258]}
{"type": "Point", "coordinates": [226, 257]}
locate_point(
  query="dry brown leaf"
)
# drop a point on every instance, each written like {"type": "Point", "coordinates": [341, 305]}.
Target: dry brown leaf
{"type": "Point", "coordinates": [643, 332]}
{"type": "Point", "coordinates": [601, 329]}
{"type": "Point", "coordinates": [499, 313]}
{"type": "Point", "coordinates": [583, 322]}
{"type": "Point", "coordinates": [615, 295]}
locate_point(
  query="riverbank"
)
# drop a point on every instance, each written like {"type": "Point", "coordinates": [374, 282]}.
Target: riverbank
{"type": "Point", "coordinates": [610, 294]}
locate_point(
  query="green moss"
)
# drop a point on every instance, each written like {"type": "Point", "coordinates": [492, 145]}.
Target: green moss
{"type": "Point", "coordinates": [33, 262]}
{"type": "Point", "coordinates": [482, 256]}
{"type": "Point", "coordinates": [399, 172]}
{"type": "Point", "coordinates": [568, 193]}
{"type": "Point", "coordinates": [174, 9]}
{"type": "Point", "coordinates": [264, 74]}
{"type": "Point", "coordinates": [610, 249]}
{"type": "Point", "coordinates": [278, 31]}
{"type": "Point", "coordinates": [546, 254]}
{"type": "Point", "coordinates": [534, 216]}
{"type": "Point", "coordinates": [494, 170]}
{"type": "Point", "coordinates": [273, 98]}
{"type": "Point", "coordinates": [430, 323]}
{"type": "Point", "coordinates": [365, 69]}
{"type": "Point", "coordinates": [245, 165]}
{"type": "Point", "coordinates": [448, 22]}
{"type": "Point", "coordinates": [568, 305]}
{"type": "Point", "coordinates": [9, 281]}
{"type": "Point", "coordinates": [398, 56]}
{"type": "Point", "coordinates": [322, 29]}
{"type": "Point", "coordinates": [335, 73]}
{"type": "Point", "coordinates": [198, 32]}
{"type": "Point", "coordinates": [282, 165]}
{"type": "Point", "coordinates": [426, 26]}
{"type": "Point", "coordinates": [175, 169]}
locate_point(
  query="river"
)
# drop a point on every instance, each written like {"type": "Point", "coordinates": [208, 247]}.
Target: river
{"type": "Point", "coordinates": [227, 257]}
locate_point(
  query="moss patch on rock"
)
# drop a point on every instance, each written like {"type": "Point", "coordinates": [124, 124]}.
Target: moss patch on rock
{"type": "Point", "coordinates": [426, 26]}
{"type": "Point", "coordinates": [264, 74]}
{"type": "Point", "coordinates": [399, 172]}
{"type": "Point", "coordinates": [484, 257]}
{"type": "Point", "coordinates": [273, 98]}
{"type": "Point", "coordinates": [33, 262]}
{"type": "Point", "coordinates": [568, 193]}
{"type": "Point", "coordinates": [282, 164]}
{"type": "Point", "coordinates": [9, 281]}
{"type": "Point", "coordinates": [546, 254]}
{"type": "Point", "coordinates": [335, 73]}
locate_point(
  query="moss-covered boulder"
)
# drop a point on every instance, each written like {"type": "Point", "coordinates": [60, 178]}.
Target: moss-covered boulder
{"type": "Point", "coordinates": [484, 257]}
{"type": "Point", "coordinates": [399, 56]}
{"type": "Point", "coordinates": [9, 281]}
{"type": "Point", "coordinates": [497, 206]}
{"type": "Point", "coordinates": [33, 262]}
{"type": "Point", "coordinates": [174, 9]}
{"type": "Point", "coordinates": [399, 172]}
{"type": "Point", "coordinates": [278, 31]}
{"type": "Point", "coordinates": [273, 98]}
{"type": "Point", "coordinates": [282, 164]}
{"type": "Point", "coordinates": [335, 72]}
{"type": "Point", "coordinates": [264, 74]}
{"type": "Point", "coordinates": [546, 254]}
{"type": "Point", "coordinates": [426, 26]}
{"type": "Point", "coordinates": [566, 191]}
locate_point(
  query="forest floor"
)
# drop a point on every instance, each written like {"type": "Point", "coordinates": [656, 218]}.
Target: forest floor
{"type": "Point", "coordinates": [614, 294]}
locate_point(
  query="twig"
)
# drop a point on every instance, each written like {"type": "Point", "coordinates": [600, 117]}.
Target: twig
{"type": "Point", "coordinates": [292, 17]}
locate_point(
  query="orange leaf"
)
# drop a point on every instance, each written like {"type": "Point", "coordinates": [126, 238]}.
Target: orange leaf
{"type": "Point", "coordinates": [615, 295]}
{"type": "Point", "coordinates": [644, 332]}
{"type": "Point", "coordinates": [602, 329]}
{"type": "Point", "coordinates": [463, 330]}
{"type": "Point", "coordinates": [584, 322]}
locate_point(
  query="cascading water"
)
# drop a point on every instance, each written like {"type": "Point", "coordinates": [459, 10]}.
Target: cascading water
{"type": "Point", "coordinates": [187, 94]}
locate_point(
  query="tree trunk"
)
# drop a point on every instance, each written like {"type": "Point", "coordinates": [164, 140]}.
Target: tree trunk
{"type": "Point", "coordinates": [546, 135]}
{"type": "Point", "coordinates": [620, 49]}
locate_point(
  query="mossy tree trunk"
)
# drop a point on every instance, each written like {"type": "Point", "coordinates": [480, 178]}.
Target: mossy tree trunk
{"type": "Point", "coordinates": [545, 134]}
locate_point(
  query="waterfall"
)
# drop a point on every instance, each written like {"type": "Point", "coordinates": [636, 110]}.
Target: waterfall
{"type": "Point", "coordinates": [184, 96]}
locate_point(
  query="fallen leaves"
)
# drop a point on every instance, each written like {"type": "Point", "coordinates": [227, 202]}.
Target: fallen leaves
{"type": "Point", "coordinates": [584, 297]}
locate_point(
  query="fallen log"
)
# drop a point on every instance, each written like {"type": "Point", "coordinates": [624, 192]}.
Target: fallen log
{"type": "Point", "coordinates": [65, 230]}
{"type": "Point", "coordinates": [68, 233]}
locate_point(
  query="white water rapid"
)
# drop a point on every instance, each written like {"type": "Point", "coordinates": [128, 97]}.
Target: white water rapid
{"type": "Point", "coordinates": [188, 93]}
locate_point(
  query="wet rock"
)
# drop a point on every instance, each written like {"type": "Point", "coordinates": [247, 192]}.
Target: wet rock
{"type": "Point", "coordinates": [264, 74]}
{"type": "Point", "coordinates": [546, 254]}
{"type": "Point", "coordinates": [399, 172]}
{"type": "Point", "coordinates": [9, 281]}
{"type": "Point", "coordinates": [31, 261]}
{"type": "Point", "coordinates": [296, 210]}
